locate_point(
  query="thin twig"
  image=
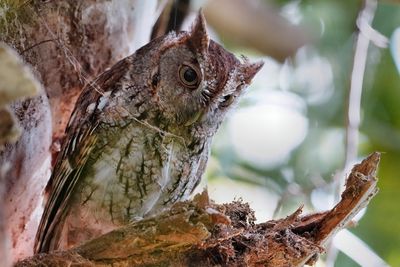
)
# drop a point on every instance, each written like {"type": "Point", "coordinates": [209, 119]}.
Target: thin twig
{"type": "Point", "coordinates": [356, 85]}
{"type": "Point", "coordinates": [353, 109]}
{"type": "Point", "coordinates": [37, 44]}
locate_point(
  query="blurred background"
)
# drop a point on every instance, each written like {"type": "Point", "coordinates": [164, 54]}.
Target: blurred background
{"type": "Point", "coordinates": [328, 95]}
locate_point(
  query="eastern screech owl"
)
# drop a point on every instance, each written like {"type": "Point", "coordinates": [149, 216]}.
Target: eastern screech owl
{"type": "Point", "coordinates": [139, 137]}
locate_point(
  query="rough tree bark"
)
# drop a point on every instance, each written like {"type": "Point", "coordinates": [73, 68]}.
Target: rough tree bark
{"type": "Point", "coordinates": [68, 43]}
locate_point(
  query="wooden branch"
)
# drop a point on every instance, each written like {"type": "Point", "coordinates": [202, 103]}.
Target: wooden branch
{"type": "Point", "coordinates": [203, 233]}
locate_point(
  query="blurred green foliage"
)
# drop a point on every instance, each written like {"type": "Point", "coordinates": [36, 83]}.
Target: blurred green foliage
{"type": "Point", "coordinates": [333, 24]}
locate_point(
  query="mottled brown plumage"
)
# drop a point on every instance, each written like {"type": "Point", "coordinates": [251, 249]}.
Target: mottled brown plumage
{"type": "Point", "coordinates": [139, 137]}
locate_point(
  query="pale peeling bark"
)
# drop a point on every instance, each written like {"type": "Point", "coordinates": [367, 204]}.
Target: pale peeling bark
{"type": "Point", "coordinates": [201, 233]}
{"type": "Point", "coordinates": [16, 83]}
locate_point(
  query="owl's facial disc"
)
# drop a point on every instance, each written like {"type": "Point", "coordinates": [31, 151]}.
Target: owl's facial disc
{"type": "Point", "coordinates": [222, 81]}
{"type": "Point", "coordinates": [197, 80]}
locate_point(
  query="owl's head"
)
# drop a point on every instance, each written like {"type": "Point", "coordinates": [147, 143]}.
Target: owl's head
{"type": "Point", "coordinates": [195, 80]}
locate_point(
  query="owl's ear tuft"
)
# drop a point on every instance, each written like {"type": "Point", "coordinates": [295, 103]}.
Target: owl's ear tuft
{"type": "Point", "coordinates": [249, 70]}
{"type": "Point", "coordinates": [198, 35]}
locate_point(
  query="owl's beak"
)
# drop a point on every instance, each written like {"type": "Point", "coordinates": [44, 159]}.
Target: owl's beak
{"type": "Point", "coordinates": [193, 119]}
{"type": "Point", "coordinates": [249, 70]}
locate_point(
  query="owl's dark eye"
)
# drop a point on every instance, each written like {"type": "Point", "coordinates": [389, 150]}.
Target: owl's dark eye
{"type": "Point", "coordinates": [189, 76]}
{"type": "Point", "coordinates": [227, 100]}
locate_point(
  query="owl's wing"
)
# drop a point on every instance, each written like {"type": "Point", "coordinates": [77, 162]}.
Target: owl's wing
{"type": "Point", "coordinates": [62, 182]}
{"type": "Point", "coordinates": [80, 140]}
